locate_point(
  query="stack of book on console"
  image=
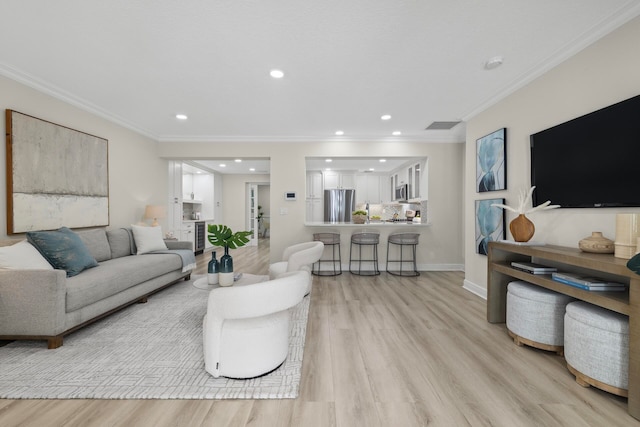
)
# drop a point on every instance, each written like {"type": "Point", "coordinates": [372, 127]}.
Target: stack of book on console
{"type": "Point", "coordinates": [587, 283]}
{"type": "Point", "coordinates": [532, 267]}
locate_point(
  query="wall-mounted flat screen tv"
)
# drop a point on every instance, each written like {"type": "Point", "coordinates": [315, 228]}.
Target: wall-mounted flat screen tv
{"type": "Point", "coordinates": [591, 161]}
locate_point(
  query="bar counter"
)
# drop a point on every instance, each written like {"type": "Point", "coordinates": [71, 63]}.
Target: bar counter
{"type": "Point", "coordinates": [384, 228]}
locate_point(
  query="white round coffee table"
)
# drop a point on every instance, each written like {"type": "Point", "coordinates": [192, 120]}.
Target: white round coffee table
{"type": "Point", "coordinates": [242, 279]}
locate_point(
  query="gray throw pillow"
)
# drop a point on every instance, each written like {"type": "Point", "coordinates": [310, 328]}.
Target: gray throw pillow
{"type": "Point", "coordinates": [63, 249]}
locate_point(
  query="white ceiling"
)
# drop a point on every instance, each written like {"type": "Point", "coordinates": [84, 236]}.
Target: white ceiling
{"type": "Point", "coordinates": [346, 62]}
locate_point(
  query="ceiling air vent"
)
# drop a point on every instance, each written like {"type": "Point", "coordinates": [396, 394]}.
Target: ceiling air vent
{"type": "Point", "coordinates": [441, 125]}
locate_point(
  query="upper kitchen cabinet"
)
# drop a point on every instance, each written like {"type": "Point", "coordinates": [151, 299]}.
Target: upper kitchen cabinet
{"type": "Point", "coordinates": [334, 179]}
{"type": "Point", "coordinates": [314, 185]}
{"type": "Point", "coordinates": [414, 175]}
{"type": "Point", "coordinates": [372, 188]}
{"type": "Point", "coordinates": [374, 179]}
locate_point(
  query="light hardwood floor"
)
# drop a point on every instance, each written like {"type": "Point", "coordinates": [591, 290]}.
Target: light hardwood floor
{"type": "Point", "coordinates": [380, 351]}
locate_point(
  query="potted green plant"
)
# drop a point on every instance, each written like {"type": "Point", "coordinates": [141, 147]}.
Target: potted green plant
{"type": "Point", "coordinates": [359, 216]}
{"type": "Point", "coordinates": [223, 236]}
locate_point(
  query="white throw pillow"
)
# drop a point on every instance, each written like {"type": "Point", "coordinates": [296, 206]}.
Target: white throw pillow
{"type": "Point", "coordinates": [148, 239]}
{"type": "Point", "coordinates": [22, 256]}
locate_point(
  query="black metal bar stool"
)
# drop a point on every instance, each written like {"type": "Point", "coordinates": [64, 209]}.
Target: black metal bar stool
{"type": "Point", "coordinates": [403, 239]}
{"type": "Point", "coordinates": [333, 240]}
{"type": "Point", "coordinates": [360, 239]}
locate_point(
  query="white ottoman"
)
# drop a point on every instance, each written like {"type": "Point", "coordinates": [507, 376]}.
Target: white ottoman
{"type": "Point", "coordinates": [535, 316]}
{"type": "Point", "coordinates": [596, 346]}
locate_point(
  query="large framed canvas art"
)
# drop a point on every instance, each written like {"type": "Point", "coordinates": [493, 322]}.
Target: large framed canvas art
{"type": "Point", "coordinates": [491, 162]}
{"type": "Point", "coordinates": [56, 176]}
{"type": "Point", "coordinates": [490, 224]}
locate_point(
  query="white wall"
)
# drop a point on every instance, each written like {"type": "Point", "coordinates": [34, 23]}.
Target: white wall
{"type": "Point", "coordinates": [602, 74]}
{"type": "Point", "coordinates": [137, 176]}
{"type": "Point", "coordinates": [234, 190]}
{"type": "Point", "coordinates": [440, 244]}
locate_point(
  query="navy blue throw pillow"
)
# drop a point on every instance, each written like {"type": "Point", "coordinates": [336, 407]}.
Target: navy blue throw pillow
{"type": "Point", "coordinates": [63, 249]}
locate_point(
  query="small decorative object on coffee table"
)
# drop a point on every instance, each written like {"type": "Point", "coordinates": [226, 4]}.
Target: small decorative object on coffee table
{"type": "Point", "coordinates": [597, 243]}
{"type": "Point", "coordinates": [522, 229]}
{"type": "Point", "coordinates": [221, 235]}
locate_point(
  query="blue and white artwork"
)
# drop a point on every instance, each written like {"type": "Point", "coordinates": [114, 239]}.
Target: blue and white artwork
{"type": "Point", "coordinates": [491, 162]}
{"type": "Point", "coordinates": [489, 224]}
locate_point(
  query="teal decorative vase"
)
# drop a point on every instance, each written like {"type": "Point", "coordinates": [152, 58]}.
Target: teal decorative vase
{"type": "Point", "coordinates": [226, 268]}
{"type": "Point", "coordinates": [212, 270]}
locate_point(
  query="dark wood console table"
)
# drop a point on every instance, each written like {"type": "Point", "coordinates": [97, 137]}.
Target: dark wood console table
{"type": "Point", "coordinates": [500, 273]}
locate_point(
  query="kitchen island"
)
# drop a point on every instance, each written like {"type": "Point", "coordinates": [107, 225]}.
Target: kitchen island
{"type": "Point", "coordinates": [383, 227]}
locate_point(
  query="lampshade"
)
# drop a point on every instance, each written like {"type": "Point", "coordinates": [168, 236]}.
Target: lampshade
{"type": "Point", "coordinates": [155, 212]}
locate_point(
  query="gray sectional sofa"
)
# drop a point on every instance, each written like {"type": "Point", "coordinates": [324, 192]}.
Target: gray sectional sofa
{"type": "Point", "coordinates": [46, 304]}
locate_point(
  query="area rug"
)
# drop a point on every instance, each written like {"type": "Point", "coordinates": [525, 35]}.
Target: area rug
{"type": "Point", "coordinates": [146, 351]}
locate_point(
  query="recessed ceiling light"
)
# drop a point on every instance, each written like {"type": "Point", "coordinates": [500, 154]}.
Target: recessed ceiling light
{"type": "Point", "coordinates": [493, 63]}
{"type": "Point", "coordinates": [385, 117]}
{"type": "Point", "coordinates": [252, 169]}
{"type": "Point", "coordinates": [181, 116]}
{"type": "Point", "coordinates": [328, 160]}
{"type": "Point", "coordinates": [276, 74]}
{"type": "Point", "coordinates": [371, 169]}
{"type": "Point", "coordinates": [238, 160]}
{"type": "Point", "coordinates": [382, 160]}
{"type": "Point", "coordinates": [396, 133]}
{"type": "Point", "coordinates": [222, 165]}
{"type": "Point", "coordinates": [339, 132]}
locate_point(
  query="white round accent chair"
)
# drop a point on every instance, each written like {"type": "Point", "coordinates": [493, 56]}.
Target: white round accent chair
{"type": "Point", "coordinates": [246, 328]}
{"type": "Point", "coordinates": [297, 257]}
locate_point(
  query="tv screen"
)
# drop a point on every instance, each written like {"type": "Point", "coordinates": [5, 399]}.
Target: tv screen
{"type": "Point", "coordinates": [590, 161]}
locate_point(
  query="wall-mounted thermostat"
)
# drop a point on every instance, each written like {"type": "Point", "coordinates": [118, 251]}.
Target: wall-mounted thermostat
{"type": "Point", "coordinates": [290, 195]}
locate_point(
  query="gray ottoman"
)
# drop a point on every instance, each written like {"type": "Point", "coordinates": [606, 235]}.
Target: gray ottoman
{"type": "Point", "coordinates": [535, 316]}
{"type": "Point", "coordinates": [596, 345]}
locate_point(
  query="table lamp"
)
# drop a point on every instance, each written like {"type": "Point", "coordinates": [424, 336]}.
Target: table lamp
{"type": "Point", "coordinates": [155, 212]}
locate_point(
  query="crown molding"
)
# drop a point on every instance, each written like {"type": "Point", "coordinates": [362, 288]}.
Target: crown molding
{"type": "Point", "coordinates": [588, 37]}
{"type": "Point", "coordinates": [62, 95]}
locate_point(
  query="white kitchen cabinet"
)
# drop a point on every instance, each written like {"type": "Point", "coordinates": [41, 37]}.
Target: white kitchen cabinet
{"type": "Point", "coordinates": [333, 179]}
{"type": "Point", "coordinates": [187, 232]}
{"type": "Point", "coordinates": [368, 188]}
{"type": "Point", "coordinates": [314, 185]}
{"type": "Point", "coordinates": [315, 211]}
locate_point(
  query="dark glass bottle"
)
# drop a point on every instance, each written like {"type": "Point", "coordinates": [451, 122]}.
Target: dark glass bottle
{"type": "Point", "coordinates": [226, 262]}
{"type": "Point", "coordinates": [226, 268]}
{"type": "Point", "coordinates": [212, 270]}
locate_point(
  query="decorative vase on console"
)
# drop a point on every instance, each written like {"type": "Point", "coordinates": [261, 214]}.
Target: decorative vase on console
{"type": "Point", "coordinates": [597, 244]}
{"type": "Point", "coordinates": [221, 235]}
{"type": "Point", "coordinates": [522, 229]}
{"type": "Point", "coordinates": [213, 269]}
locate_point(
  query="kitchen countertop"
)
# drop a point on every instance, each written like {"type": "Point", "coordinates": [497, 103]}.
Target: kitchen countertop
{"type": "Point", "coordinates": [371, 224]}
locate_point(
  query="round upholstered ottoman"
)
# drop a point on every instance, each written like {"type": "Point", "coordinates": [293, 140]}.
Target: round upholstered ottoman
{"type": "Point", "coordinates": [535, 316]}
{"type": "Point", "coordinates": [596, 347]}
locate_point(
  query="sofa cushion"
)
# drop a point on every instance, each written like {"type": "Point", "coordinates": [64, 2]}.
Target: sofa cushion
{"type": "Point", "coordinates": [148, 239]}
{"type": "Point", "coordinates": [22, 256]}
{"type": "Point", "coordinates": [63, 249]}
{"type": "Point", "coordinates": [97, 243]}
{"type": "Point", "coordinates": [119, 242]}
{"type": "Point", "coordinates": [117, 275]}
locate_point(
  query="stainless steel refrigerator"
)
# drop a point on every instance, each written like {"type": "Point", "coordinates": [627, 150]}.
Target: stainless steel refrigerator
{"type": "Point", "coordinates": [338, 205]}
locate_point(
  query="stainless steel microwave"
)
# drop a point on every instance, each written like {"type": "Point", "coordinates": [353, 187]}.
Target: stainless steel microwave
{"type": "Point", "coordinates": [401, 193]}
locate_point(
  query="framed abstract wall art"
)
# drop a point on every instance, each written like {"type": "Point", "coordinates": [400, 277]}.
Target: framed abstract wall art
{"type": "Point", "coordinates": [490, 224]}
{"type": "Point", "coordinates": [56, 177]}
{"type": "Point", "coordinates": [491, 162]}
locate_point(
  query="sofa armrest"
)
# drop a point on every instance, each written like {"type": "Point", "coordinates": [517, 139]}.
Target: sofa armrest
{"type": "Point", "coordinates": [32, 302]}
{"type": "Point", "coordinates": [179, 244]}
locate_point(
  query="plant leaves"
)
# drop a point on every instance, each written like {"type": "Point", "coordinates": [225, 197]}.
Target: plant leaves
{"type": "Point", "coordinates": [221, 235]}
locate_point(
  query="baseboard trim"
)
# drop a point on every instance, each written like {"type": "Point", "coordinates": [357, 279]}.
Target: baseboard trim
{"type": "Point", "coordinates": [475, 289]}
